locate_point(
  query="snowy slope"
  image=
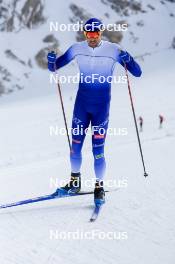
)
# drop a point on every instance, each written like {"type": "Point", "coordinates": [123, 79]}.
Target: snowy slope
{"type": "Point", "coordinates": [154, 35]}
{"type": "Point", "coordinates": [31, 158]}
{"type": "Point", "coordinates": [144, 209]}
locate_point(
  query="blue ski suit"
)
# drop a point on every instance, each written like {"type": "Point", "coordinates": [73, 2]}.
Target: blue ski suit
{"type": "Point", "coordinates": [92, 102]}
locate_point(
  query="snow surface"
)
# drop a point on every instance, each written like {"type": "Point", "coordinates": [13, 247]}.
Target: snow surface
{"type": "Point", "coordinates": [30, 158]}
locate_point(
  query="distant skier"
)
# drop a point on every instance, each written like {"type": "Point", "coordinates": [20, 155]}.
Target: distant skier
{"type": "Point", "coordinates": [94, 56]}
{"type": "Point", "coordinates": [141, 123]}
{"type": "Point", "coordinates": [161, 120]}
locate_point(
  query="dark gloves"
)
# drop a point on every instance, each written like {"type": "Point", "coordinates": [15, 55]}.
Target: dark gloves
{"type": "Point", "coordinates": [124, 56]}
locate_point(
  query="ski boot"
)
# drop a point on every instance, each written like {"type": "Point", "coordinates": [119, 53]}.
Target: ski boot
{"type": "Point", "coordinates": [74, 185]}
{"type": "Point", "coordinates": [99, 193]}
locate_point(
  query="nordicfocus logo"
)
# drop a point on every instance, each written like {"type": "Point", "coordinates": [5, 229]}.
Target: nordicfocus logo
{"type": "Point", "coordinates": [88, 79]}
{"type": "Point", "coordinates": [90, 183]}
{"type": "Point", "coordinates": [88, 235]}
{"type": "Point", "coordinates": [79, 26]}
{"type": "Point", "coordinates": [96, 131]}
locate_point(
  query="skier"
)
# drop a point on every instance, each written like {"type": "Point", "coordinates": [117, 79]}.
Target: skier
{"type": "Point", "coordinates": [94, 56]}
{"type": "Point", "coordinates": [141, 123]}
{"type": "Point", "coordinates": [161, 120]}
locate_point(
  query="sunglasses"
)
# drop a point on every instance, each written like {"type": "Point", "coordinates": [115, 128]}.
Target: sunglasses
{"type": "Point", "coordinates": [94, 34]}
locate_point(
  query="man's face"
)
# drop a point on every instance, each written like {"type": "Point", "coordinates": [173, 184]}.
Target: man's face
{"type": "Point", "coordinates": [93, 38]}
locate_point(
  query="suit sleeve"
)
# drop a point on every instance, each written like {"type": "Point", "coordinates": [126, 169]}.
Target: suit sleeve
{"type": "Point", "coordinates": [64, 59]}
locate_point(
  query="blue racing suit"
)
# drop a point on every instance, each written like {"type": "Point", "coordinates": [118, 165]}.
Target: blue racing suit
{"type": "Point", "coordinates": [92, 102]}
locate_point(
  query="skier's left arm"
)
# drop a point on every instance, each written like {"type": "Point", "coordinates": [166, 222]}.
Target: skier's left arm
{"type": "Point", "coordinates": [132, 66]}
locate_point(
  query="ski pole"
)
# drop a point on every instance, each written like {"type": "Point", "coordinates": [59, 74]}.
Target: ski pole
{"type": "Point", "coordinates": [64, 115]}
{"type": "Point", "coordinates": [63, 111]}
{"type": "Point", "coordinates": [134, 115]}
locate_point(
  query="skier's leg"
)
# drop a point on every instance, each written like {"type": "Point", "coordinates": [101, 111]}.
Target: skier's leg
{"type": "Point", "coordinates": [99, 124]}
{"type": "Point", "coordinates": [80, 123]}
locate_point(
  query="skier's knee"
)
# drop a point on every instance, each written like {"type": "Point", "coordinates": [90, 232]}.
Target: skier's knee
{"type": "Point", "coordinates": [98, 150]}
{"type": "Point", "coordinates": [76, 146]}
{"type": "Point", "coordinates": [98, 156]}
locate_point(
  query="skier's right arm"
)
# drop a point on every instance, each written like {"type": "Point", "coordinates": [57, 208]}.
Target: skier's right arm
{"type": "Point", "coordinates": [56, 63]}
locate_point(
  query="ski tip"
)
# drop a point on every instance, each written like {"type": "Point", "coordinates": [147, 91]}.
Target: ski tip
{"type": "Point", "coordinates": [93, 218]}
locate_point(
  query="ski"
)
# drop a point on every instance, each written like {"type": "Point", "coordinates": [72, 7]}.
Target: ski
{"type": "Point", "coordinates": [97, 208]}
{"type": "Point", "coordinates": [43, 198]}
{"type": "Point", "coordinates": [95, 213]}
